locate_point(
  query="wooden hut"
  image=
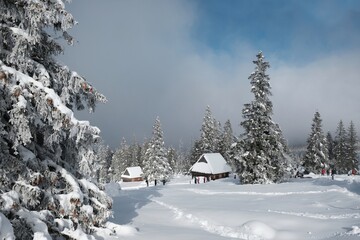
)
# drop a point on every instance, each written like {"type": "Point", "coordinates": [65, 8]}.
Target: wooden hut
{"type": "Point", "coordinates": [132, 174]}
{"type": "Point", "coordinates": [212, 166]}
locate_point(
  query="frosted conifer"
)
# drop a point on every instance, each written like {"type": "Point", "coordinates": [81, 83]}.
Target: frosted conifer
{"type": "Point", "coordinates": [121, 160]}
{"type": "Point", "coordinates": [104, 155]}
{"type": "Point", "coordinates": [316, 157]}
{"type": "Point", "coordinates": [227, 139]}
{"type": "Point", "coordinates": [156, 165]}
{"type": "Point", "coordinates": [209, 133]}
{"type": "Point", "coordinates": [41, 142]}
{"type": "Point", "coordinates": [341, 148]}
{"type": "Point", "coordinates": [261, 151]}
{"type": "Point", "coordinates": [352, 145]}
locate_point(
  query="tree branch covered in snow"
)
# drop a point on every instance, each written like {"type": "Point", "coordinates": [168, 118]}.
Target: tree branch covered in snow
{"type": "Point", "coordinates": [41, 142]}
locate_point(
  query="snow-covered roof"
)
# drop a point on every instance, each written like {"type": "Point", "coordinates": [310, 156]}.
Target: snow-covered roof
{"type": "Point", "coordinates": [132, 172]}
{"type": "Point", "coordinates": [211, 163]}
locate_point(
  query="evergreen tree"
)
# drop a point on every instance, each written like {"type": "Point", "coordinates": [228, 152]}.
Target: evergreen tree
{"type": "Point", "coordinates": [156, 165]}
{"type": "Point", "coordinates": [172, 158]}
{"type": "Point", "coordinates": [340, 148]}
{"type": "Point", "coordinates": [209, 133]}
{"type": "Point", "coordinates": [135, 151]}
{"type": "Point", "coordinates": [352, 142]}
{"type": "Point", "coordinates": [144, 148]}
{"type": "Point", "coordinates": [330, 146]}
{"type": "Point", "coordinates": [227, 139]}
{"type": "Point", "coordinates": [262, 156]}
{"type": "Point", "coordinates": [41, 142]}
{"type": "Point", "coordinates": [195, 152]}
{"type": "Point", "coordinates": [121, 160]}
{"type": "Point", "coordinates": [316, 157]}
{"type": "Point", "coordinates": [104, 155]}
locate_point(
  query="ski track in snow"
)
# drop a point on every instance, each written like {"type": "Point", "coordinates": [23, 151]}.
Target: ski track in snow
{"type": "Point", "coordinates": [207, 192]}
{"type": "Point", "coordinates": [207, 225]}
{"type": "Point", "coordinates": [318, 216]}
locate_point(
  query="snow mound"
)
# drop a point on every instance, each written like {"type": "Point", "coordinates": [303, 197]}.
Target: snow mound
{"type": "Point", "coordinates": [258, 230]}
{"type": "Point", "coordinates": [121, 230]}
{"type": "Point", "coordinates": [355, 231]}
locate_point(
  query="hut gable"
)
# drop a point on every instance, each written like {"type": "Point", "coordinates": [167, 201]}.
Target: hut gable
{"type": "Point", "coordinates": [211, 164]}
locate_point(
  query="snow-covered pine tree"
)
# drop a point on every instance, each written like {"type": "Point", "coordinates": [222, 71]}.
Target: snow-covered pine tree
{"type": "Point", "coordinates": [195, 152]}
{"type": "Point", "coordinates": [135, 154]}
{"type": "Point", "coordinates": [121, 160]}
{"type": "Point", "coordinates": [352, 144]}
{"type": "Point", "coordinates": [227, 139]}
{"type": "Point", "coordinates": [330, 146]}
{"type": "Point", "coordinates": [143, 149]}
{"type": "Point", "coordinates": [172, 157]}
{"type": "Point", "coordinates": [156, 165]}
{"type": "Point", "coordinates": [209, 133]}
{"type": "Point", "coordinates": [104, 155]}
{"type": "Point", "coordinates": [340, 149]}
{"type": "Point", "coordinates": [41, 142]}
{"type": "Point", "coordinates": [316, 157]}
{"type": "Point", "coordinates": [261, 150]}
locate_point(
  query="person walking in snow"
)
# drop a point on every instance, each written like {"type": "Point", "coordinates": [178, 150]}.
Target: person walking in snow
{"type": "Point", "coordinates": [333, 172]}
{"type": "Point", "coordinates": [147, 182]}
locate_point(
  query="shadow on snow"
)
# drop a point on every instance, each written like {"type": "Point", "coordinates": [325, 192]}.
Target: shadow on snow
{"type": "Point", "coordinates": [128, 202]}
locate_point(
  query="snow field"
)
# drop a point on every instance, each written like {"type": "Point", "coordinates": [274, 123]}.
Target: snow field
{"type": "Point", "coordinates": [314, 208]}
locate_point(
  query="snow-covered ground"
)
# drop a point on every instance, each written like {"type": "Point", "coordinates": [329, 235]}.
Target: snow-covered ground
{"type": "Point", "coordinates": [308, 208]}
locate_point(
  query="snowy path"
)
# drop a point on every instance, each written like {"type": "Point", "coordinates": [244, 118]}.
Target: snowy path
{"type": "Point", "coordinates": [206, 224]}
{"type": "Point", "coordinates": [303, 209]}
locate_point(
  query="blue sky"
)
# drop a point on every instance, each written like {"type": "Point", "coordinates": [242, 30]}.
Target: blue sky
{"type": "Point", "coordinates": [291, 29]}
{"type": "Point", "coordinates": [173, 58]}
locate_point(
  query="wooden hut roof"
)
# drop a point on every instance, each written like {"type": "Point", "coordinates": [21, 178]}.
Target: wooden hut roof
{"type": "Point", "coordinates": [132, 172]}
{"type": "Point", "coordinates": [211, 163]}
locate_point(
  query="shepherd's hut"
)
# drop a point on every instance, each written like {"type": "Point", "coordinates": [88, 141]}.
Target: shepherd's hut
{"type": "Point", "coordinates": [212, 166]}
{"type": "Point", "coordinates": [132, 174]}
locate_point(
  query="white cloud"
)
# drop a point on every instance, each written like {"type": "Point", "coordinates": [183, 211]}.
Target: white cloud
{"type": "Point", "coordinates": [329, 85]}
{"type": "Point", "coordinates": [142, 56]}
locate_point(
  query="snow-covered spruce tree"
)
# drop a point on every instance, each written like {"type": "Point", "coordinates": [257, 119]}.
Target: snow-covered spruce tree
{"type": "Point", "coordinates": [261, 150]}
{"type": "Point", "coordinates": [209, 133]}
{"type": "Point", "coordinates": [227, 139]}
{"type": "Point", "coordinates": [134, 154]}
{"type": "Point", "coordinates": [156, 165]}
{"type": "Point", "coordinates": [316, 157]}
{"type": "Point", "coordinates": [330, 147]}
{"type": "Point", "coordinates": [172, 158]}
{"type": "Point", "coordinates": [340, 149]}
{"type": "Point", "coordinates": [41, 142]}
{"type": "Point", "coordinates": [143, 149]}
{"type": "Point", "coordinates": [195, 152]}
{"type": "Point", "coordinates": [104, 154]}
{"type": "Point", "coordinates": [121, 160]}
{"type": "Point", "coordinates": [352, 145]}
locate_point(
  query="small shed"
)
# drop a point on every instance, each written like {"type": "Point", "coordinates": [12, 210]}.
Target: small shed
{"type": "Point", "coordinates": [212, 166]}
{"type": "Point", "coordinates": [132, 174]}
